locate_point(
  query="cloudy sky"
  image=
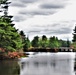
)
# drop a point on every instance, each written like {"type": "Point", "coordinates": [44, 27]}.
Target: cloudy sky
{"type": "Point", "coordinates": [48, 17]}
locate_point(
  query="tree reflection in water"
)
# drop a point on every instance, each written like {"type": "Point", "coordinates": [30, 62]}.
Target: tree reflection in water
{"type": "Point", "coordinates": [48, 64]}
{"type": "Point", "coordinates": [9, 67]}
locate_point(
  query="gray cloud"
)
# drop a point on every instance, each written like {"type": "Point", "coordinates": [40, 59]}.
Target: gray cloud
{"type": "Point", "coordinates": [53, 32]}
{"type": "Point", "coordinates": [37, 12]}
{"type": "Point", "coordinates": [28, 1]}
{"type": "Point", "coordinates": [58, 30]}
{"type": "Point", "coordinates": [34, 31]}
{"type": "Point", "coordinates": [63, 31]}
{"type": "Point", "coordinates": [51, 6]}
{"type": "Point", "coordinates": [18, 5]}
{"type": "Point", "coordinates": [43, 7]}
{"type": "Point", "coordinates": [18, 18]}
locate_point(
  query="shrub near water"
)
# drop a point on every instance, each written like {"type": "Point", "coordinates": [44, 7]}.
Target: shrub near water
{"type": "Point", "coordinates": [15, 55]}
{"type": "Point", "coordinates": [10, 55]}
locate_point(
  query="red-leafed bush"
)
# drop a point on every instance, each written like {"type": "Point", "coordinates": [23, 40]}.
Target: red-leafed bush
{"type": "Point", "coordinates": [4, 54]}
{"type": "Point", "coordinates": [15, 55]}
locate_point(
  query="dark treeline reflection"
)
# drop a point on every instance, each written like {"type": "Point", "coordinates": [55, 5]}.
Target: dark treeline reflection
{"type": "Point", "coordinates": [9, 67]}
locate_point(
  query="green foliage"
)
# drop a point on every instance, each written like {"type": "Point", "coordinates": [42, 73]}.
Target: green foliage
{"type": "Point", "coordinates": [44, 38]}
{"type": "Point", "coordinates": [74, 39]}
{"type": "Point", "coordinates": [27, 44]}
{"type": "Point", "coordinates": [25, 41]}
{"type": "Point", "coordinates": [3, 1]}
{"type": "Point", "coordinates": [54, 42]}
{"type": "Point", "coordinates": [22, 37]}
{"type": "Point", "coordinates": [74, 46]}
{"type": "Point", "coordinates": [68, 43]}
{"type": "Point", "coordinates": [35, 41]}
{"type": "Point", "coordinates": [74, 35]}
{"type": "Point", "coordinates": [44, 42]}
{"type": "Point", "coordinates": [10, 39]}
{"type": "Point", "coordinates": [63, 43]}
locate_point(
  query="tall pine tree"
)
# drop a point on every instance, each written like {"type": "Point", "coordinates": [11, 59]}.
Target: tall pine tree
{"type": "Point", "coordinates": [10, 39]}
{"type": "Point", "coordinates": [74, 35]}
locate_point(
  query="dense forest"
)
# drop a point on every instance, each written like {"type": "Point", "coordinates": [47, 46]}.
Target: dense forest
{"type": "Point", "coordinates": [13, 40]}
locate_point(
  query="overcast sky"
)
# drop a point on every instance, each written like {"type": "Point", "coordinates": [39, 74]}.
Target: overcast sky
{"type": "Point", "coordinates": [48, 17]}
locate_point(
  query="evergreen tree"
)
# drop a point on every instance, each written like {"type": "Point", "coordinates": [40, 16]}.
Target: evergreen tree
{"type": "Point", "coordinates": [23, 36]}
{"type": "Point", "coordinates": [44, 41]}
{"type": "Point", "coordinates": [74, 39]}
{"type": "Point", "coordinates": [64, 43]}
{"type": "Point", "coordinates": [25, 41]}
{"type": "Point", "coordinates": [9, 37]}
{"type": "Point", "coordinates": [27, 44]}
{"type": "Point", "coordinates": [44, 37]}
{"type": "Point", "coordinates": [35, 41]}
{"type": "Point", "coordinates": [54, 42]}
{"type": "Point", "coordinates": [68, 43]}
{"type": "Point", "coordinates": [74, 35]}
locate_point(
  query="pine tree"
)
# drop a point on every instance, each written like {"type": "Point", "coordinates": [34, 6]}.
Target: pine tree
{"type": "Point", "coordinates": [68, 43]}
{"type": "Point", "coordinates": [35, 42]}
{"type": "Point", "coordinates": [23, 36]}
{"type": "Point", "coordinates": [27, 44]}
{"type": "Point", "coordinates": [9, 37]}
{"type": "Point", "coordinates": [25, 41]}
{"type": "Point", "coordinates": [44, 41]}
{"type": "Point", "coordinates": [74, 35]}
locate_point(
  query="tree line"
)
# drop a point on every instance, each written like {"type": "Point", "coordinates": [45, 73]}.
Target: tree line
{"type": "Point", "coordinates": [44, 42]}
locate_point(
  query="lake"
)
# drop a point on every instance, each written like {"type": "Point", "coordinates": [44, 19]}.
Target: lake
{"type": "Point", "coordinates": [48, 64]}
{"type": "Point", "coordinates": [40, 64]}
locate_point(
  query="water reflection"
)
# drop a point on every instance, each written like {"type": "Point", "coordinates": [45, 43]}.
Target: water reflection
{"type": "Point", "coordinates": [49, 64]}
{"type": "Point", "coordinates": [9, 67]}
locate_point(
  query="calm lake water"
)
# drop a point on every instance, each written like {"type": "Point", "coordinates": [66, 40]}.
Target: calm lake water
{"type": "Point", "coordinates": [48, 64]}
{"type": "Point", "coordinates": [40, 64]}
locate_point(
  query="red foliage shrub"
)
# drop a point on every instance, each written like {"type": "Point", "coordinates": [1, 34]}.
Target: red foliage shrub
{"type": "Point", "coordinates": [15, 54]}
{"type": "Point", "coordinates": [8, 55]}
